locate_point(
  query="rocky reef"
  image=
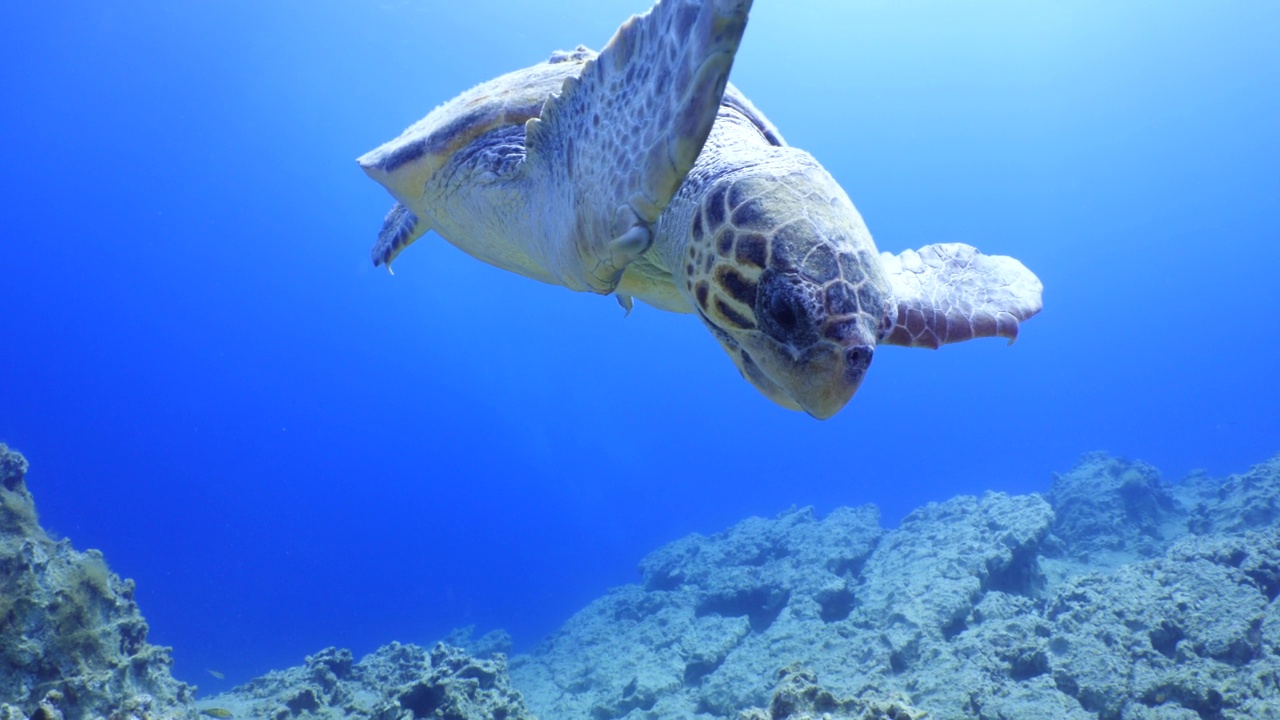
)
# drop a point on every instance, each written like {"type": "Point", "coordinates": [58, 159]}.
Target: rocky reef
{"type": "Point", "coordinates": [398, 682]}
{"type": "Point", "coordinates": [799, 697]}
{"type": "Point", "coordinates": [73, 647]}
{"type": "Point", "coordinates": [1116, 595]}
{"type": "Point", "coordinates": [72, 642]}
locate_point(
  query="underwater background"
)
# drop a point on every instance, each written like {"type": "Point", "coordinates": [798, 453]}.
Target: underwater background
{"type": "Point", "coordinates": [288, 449]}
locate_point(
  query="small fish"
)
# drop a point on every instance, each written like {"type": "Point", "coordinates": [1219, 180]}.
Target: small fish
{"type": "Point", "coordinates": [216, 674]}
{"type": "Point", "coordinates": [215, 712]}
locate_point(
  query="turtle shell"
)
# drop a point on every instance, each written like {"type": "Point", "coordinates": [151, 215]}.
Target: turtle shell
{"type": "Point", "coordinates": [405, 164]}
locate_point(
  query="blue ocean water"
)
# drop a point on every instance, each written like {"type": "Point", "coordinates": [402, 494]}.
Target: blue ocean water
{"type": "Point", "coordinates": [289, 449]}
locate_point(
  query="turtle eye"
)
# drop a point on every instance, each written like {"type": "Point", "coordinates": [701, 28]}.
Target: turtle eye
{"type": "Point", "coordinates": [784, 312]}
{"type": "Point", "coordinates": [783, 309]}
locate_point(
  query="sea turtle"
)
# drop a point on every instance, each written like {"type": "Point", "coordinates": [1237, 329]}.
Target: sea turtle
{"type": "Point", "coordinates": [641, 172]}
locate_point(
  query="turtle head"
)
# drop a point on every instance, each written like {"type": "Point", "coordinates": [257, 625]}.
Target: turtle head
{"type": "Point", "coordinates": [787, 279]}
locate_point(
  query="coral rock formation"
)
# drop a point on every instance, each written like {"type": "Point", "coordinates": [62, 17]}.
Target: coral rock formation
{"type": "Point", "coordinates": [1115, 596]}
{"type": "Point", "coordinates": [398, 682]}
{"type": "Point", "coordinates": [72, 642]}
{"type": "Point", "coordinates": [800, 697]}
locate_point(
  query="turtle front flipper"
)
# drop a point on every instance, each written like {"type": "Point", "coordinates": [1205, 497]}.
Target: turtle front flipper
{"type": "Point", "coordinates": [613, 147]}
{"type": "Point", "coordinates": [399, 229]}
{"type": "Point", "coordinates": [950, 292]}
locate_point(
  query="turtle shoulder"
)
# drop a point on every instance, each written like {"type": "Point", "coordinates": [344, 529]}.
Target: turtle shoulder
{"type": "Point", "coordinates": [404, 165]}
{"type": "Point", "coordinates": [740, 134]}
{"type": "Point", "coordinates": [647, 280]}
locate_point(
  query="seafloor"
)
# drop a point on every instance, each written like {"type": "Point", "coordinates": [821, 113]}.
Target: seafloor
{"type": "Point", "coordinates": [1114, 595]}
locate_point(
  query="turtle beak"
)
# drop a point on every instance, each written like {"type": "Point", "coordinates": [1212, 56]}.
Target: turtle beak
{"type": "Point", "coordinates": [822, 379]}
{"type": "Point", "coordinates": [827, 377]}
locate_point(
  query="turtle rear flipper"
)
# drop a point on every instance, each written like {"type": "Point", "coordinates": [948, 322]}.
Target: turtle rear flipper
{"type": "Point", "coordinates": [620, 138]}
{"type": "Point", "coordinates": [399, 229]}
{"type": "Point", "coordinates": [950, 292]}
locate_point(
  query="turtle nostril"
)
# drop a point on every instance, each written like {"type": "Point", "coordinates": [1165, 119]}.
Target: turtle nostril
{"type": "Point", "coordinates": [857, 359]}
